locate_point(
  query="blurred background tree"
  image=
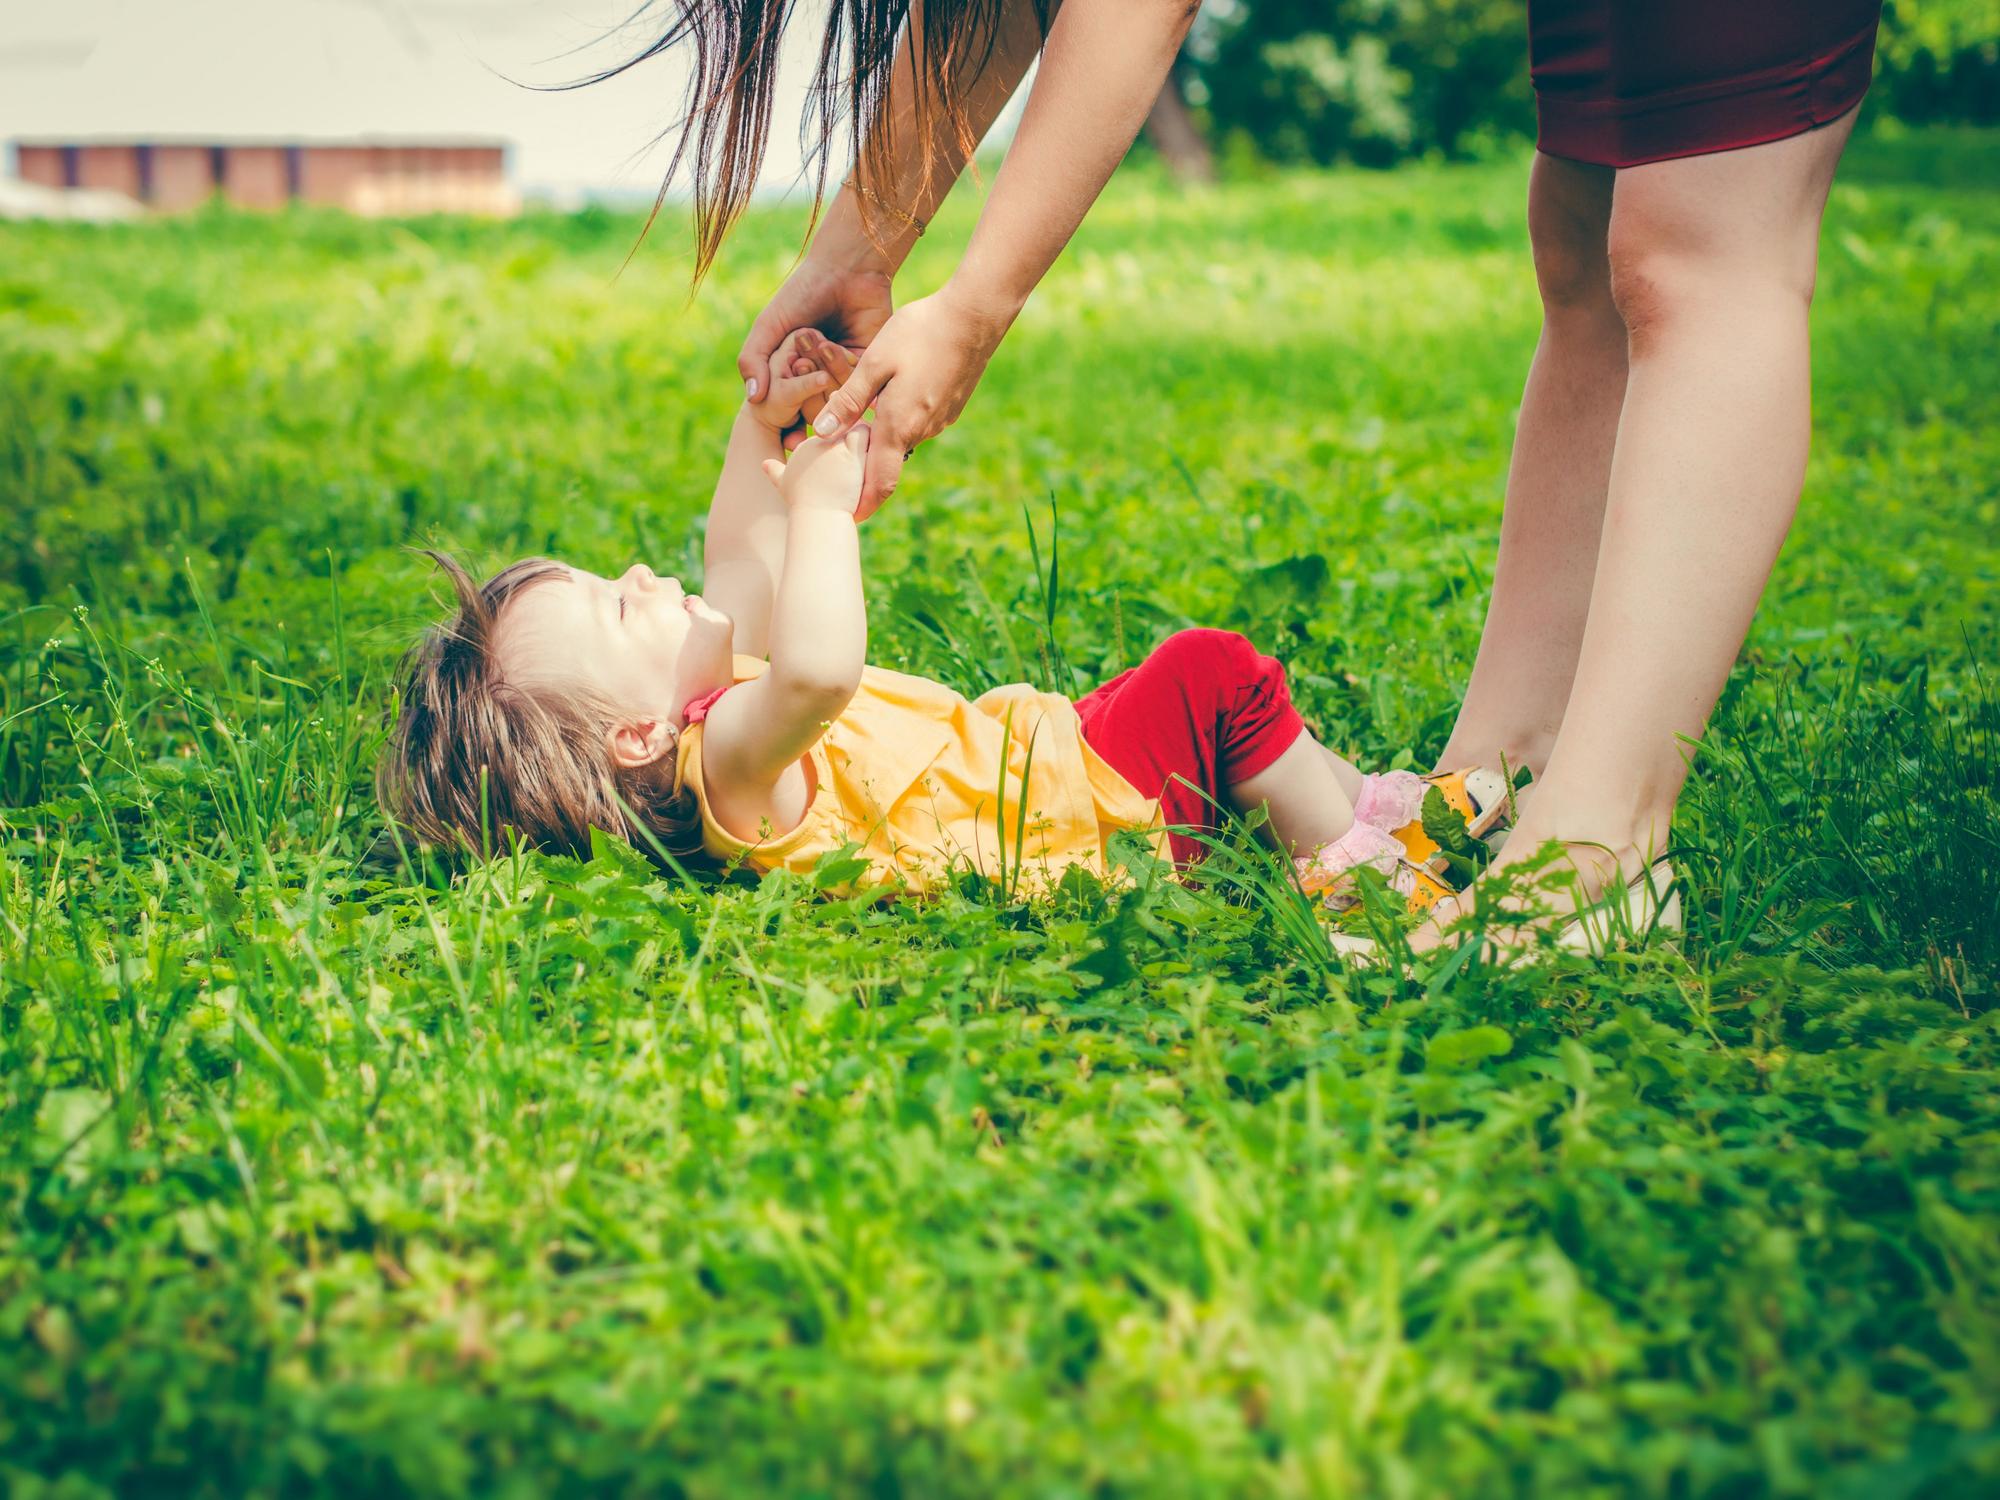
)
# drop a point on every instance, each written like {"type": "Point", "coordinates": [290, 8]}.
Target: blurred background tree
{"type": "Point", "coordinates": [1375, 81]}
{"type": "Point", "coordinates": [1939, 61]}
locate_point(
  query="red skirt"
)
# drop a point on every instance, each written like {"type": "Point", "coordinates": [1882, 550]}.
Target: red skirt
{"type": "Point", "coordinates": [1624, 82]}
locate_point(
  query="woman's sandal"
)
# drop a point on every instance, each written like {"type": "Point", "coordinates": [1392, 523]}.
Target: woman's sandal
{"type": "Point", "coordinates": [1647, 904]}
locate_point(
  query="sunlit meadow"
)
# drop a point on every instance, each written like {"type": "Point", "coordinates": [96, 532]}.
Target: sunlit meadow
{"type": "Point", "coordinates": [324, 1173]}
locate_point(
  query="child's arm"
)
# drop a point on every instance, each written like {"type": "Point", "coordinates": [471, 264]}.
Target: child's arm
{"type": "Point", "coordinates": [744, 553]}
{"type": "Point", "coordinates": [757, 733]}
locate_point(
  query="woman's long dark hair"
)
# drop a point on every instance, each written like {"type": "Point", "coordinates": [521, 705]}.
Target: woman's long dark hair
{"type": "Point", "coordinates": [726, 124]}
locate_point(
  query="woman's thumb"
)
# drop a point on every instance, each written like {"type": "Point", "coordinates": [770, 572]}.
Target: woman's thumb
{"type": "Point", "coordinates": [753, 361]}
{"type": "Point", "coordinates": [845, 406]}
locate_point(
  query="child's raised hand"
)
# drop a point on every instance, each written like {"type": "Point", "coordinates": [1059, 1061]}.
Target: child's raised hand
{"type": "Point", "coordinates": [794, 380]}
{"type": "Point", "coordinates": [824, 474]}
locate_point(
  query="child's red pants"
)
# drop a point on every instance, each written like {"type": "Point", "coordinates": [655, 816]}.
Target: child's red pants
{"type": "Point", "coordinates": [1202, 713]}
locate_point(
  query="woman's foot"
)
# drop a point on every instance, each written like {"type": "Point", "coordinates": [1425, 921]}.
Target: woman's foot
{"type": "Point", "coordinates": [1561, 866]}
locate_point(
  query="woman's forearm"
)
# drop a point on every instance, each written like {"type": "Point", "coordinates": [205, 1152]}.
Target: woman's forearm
{"type": "Point", "coordinates": [924, 166]}
{"type": "Point", "coordinates": [1102, 70]}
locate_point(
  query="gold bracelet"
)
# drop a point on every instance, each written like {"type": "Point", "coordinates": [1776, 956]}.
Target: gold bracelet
{"type": "Point", "coordinates": [865, 191]}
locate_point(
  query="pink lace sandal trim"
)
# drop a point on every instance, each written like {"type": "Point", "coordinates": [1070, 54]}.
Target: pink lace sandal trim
{"type": "Point", "coordinates": [1328, 872]}
{"type": "Point", "coordinates": [1390, 799]}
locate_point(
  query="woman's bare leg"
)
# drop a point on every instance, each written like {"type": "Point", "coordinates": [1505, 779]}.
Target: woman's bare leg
{"type": "Point", "coordinates": [1556, 482]}
{"type": "Point", "coordinates": [1712, 262]}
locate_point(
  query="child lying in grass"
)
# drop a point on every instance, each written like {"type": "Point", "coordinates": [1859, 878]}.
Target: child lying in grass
{"type": "Point", "coordinates": [746, 725]}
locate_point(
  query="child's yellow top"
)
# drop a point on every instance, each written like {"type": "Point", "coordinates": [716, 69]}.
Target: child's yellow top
{"type": "Point", "coordinates": [925, 780]}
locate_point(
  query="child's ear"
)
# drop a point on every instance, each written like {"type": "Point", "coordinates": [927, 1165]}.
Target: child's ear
{"type": "Point", "coordinates": [641, 742]}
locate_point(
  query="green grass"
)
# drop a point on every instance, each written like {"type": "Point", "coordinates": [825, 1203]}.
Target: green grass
{"type": "Point", "coordinates": [319, 1175]}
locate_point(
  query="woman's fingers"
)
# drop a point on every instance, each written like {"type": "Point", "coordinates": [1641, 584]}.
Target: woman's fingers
{"type": "Point", "coordinates": [835, 360]}
{"type": "Point", "coordinates": [772, 341]}
{"type": "Point", "coordinates": [753, 361]}
{"type": "Point", "coordinates": [885, 469]}
{"type": "Point", "coordinates": [894, 440]}
{"type": "Point", "coordinates": [823, 354]}
{"type": "Point", "coordinates": [886, 451]}
{"type": "Point", "coordinates": [845, 406]}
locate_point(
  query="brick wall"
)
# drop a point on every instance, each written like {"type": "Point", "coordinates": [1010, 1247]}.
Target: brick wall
{"type": "Point", "coordinates": [332, 174]}
{"type": "Point", "coordinates": [41, 164]}
{"type": "Point", "coordinates": [254, 177]}
{"type": "Point", "coordinates": [182, 177]}
{"type": "Point", "coordinates": [360, 179]}
{"type": "Point", "coordinates": [114, 168]}
{"type": "Point", "coordinates": [434, 179]}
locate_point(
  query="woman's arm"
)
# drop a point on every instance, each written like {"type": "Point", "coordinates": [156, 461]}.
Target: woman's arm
{"type": "Point", "coordinates": [1102, 68]}
{"type": "Point", "coordinates": [842, 285]}
{"type": "Point", "coordinates": [757, 733]}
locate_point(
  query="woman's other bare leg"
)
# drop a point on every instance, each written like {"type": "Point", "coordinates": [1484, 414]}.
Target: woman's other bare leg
{"type": "Point", "coordinates": [1712, 263]}
{"type": "Point", "coordinates": [1556, 482]}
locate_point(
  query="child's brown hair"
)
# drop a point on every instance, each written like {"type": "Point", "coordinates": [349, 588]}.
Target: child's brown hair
{"type": "Point", "coordinates": [472, 755]}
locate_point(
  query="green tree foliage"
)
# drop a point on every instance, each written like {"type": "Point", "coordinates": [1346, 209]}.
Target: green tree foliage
{"type": "Point", "coordinates": [1374, 81]}
{"type": "Point", "coordinates": [1939, 60]}
{"type": "Point", "coordinates": [1367, 80]}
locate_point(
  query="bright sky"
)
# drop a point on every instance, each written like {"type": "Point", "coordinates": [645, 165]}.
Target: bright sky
{"type": "Point", "coordinates": [305, 69]}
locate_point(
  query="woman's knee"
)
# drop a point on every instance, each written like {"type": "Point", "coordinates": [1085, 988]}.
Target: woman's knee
{"type": "Point", "coordinates": [1672, 262]}
{"type": "Point", "coordinates": [1569, 216]}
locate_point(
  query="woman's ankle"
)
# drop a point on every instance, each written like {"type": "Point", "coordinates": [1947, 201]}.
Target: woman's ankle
{"type": "Point", "coordinates": [1592, 835]}
{"type": "Point", "coordinates": [1507, 753]}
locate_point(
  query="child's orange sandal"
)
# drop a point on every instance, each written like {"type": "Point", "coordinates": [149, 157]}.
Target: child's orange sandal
{"type": "Point", "coordinates": [1394, 802]}
{"type": "Point", "coordinates": [1478, 794]}
{"type": "Point", "coordinates": [1326, 875]}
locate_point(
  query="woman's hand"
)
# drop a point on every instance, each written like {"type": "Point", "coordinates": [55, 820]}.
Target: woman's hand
{"type": "Point", "coordinates": [850, 303]}
{"type": "Point", "coordinates": [917, 373]}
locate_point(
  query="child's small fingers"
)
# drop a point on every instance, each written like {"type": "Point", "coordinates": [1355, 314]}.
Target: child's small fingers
{"type": "Point", "coordinates": [795, 388]}
{"type": "Point", "coordinates": [774, 471]}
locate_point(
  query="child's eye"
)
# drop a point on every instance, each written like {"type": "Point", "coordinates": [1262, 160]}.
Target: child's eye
{"type": "Point", "coordinates": [621, 606]}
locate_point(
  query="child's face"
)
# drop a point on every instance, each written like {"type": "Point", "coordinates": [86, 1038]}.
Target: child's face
{"type": "Point", "coordinates": [638, 642]}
